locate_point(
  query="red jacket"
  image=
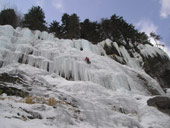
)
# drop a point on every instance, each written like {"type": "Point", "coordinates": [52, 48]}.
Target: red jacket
{"type": "Point", "coordinates": [87, 59]}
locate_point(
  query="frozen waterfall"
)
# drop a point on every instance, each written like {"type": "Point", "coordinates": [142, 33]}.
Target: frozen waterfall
{"type": "Point", "coordinates": [66, 58]}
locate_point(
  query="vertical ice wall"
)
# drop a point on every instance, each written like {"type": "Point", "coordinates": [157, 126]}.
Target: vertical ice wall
{"type": "Point", "coordinates": [66, 58]}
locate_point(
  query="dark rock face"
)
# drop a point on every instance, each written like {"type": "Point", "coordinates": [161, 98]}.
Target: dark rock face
{"type": "Point", "coordinates": [6, 79]}
{"type": "Point", "coordinates": [153, 91]}
{"type": "Point", "coordinates": [11, 91]}
{"type": "Point", "coordinates": [161, 103]}
{"type": "Point", "coordinates": [12, 78]}
{"type": "Point", "coordinates": [158, 68]}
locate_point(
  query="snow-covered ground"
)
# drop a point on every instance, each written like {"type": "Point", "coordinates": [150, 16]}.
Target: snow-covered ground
{"type": "Point", "coordinates": [103, 94]}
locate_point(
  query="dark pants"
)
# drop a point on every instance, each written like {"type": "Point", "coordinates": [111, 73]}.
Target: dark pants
{"type": "Point", "coordinates": [88, 61]}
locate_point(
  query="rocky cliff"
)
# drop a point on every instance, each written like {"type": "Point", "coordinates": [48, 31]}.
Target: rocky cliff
{"type": "Point", "coordinates": [151, 59]}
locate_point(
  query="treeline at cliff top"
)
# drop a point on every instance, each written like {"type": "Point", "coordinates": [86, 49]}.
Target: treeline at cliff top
{"type": "Point", "coordinates": [70, 27]}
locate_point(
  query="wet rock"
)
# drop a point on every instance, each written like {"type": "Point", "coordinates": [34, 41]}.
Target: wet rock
{"type": "Point", "coordinates": [11, 91]}
{"type": "Point", "coordinates": [158, 68]}
{"type": "Point", "coordinates": [1, 63]}
{"type": "Point", "coordinates": [145, 83]}
{"type": "Point", "coordinates": [12, 78]}
{"type": "Point", "coordinates": [162, 103]}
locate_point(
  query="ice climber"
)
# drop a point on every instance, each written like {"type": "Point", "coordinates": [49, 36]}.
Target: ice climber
{"type": "Point", "coordinates": [87, 60]}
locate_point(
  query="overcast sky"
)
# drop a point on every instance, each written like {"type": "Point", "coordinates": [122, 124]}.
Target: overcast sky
{"type": "Point", "coordinates": [146, 15]}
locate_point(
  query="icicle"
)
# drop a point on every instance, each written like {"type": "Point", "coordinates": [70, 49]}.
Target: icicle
{"type": "Point", "coordinates": [6, 30]}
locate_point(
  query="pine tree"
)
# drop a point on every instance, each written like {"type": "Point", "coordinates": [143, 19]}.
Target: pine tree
{"type": "Point", "coordinates": [90, 31]}
{"type": "Point", "coordinates": [8, 16]}
{"type": "Point", "coordinates": [55, 28]}
{"type": "Point", "coordinates": [106, 28]}
{"type": "Point", "coordinates": [155, 37]}
{"type": "Point", "coordinates": [35, 19]}
{"type": "Point", "coordinates": [142, 38]}
{"type": "Point", "coordinates": [65, 24]}
{"type": "Point", "coordinates": [74, 27]}
{"type": "Point", "coordinates": [85, 28]}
